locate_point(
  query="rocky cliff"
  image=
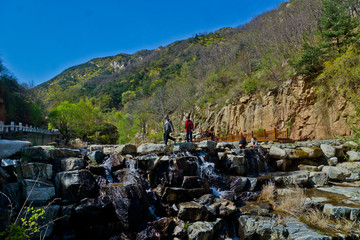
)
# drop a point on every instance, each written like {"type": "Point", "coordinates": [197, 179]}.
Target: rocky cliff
{"type": "Point", "coordinates": [294, 105]}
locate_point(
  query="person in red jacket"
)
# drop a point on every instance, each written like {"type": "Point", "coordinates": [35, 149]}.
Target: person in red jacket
{"type": "Point", "coordinates": [189, 127]}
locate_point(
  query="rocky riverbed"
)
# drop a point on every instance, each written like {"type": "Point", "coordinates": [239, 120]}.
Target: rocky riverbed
{"type": "Point", "coordinates": [190, 191]}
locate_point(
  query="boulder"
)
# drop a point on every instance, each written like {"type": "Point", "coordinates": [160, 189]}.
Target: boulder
{"type": "Point", "coordinates": [354, 168]}
{"type": "Point", "coordinates": [58, 153]}
{"type": "Point", "coordinates": [126, 149]}
{"type": "Point", "coordinates": [33, 154]}
{"type": "Point", "coordinates": [147, 162]}
{"type": "Point", "coordinates": [93, 148]}
{"type": "Point", "coordinates": [131, 203]}
{"type": "Point", "coordinates": [291, 178]}
{"type": "Point", "coordinates": [175, 195]}
{"type": "Point", "coordinates": [237, 184]}
{"type": "Point", "coordinates": [333, 161]}
{"type": "Point", "coordinates": [336, 173]}
{"type": "Point", "coordinates": [328, 150]}
{"type": "Point", "coordinates": [341, 212]}
{"type": "Point", "coordinates": [184, 147]}
{"type": "Point", "coordinates": [48, 220]}
{"type": "Point", "coordinates": [76, 185]}
{"type": "Point", "coordinates": [192, 211]}
{"type": "Point", "coordinates": [314, 152]}
{"type": "Point", "coordinates": [223, 145]}
{"type": "Point", "coordinates": [13, 194]}
{"type": "Point", "coordinates": [222, 208]}
{"type": "Point", "coordinates": [296, 154]}
{"type": "Point", "coordinates": [353, 155]}
{"type": "Point", "coordinates": [96, 156]}
{"type": "Point", "coordinates": [318, 179]}
{"type": "Point", "coordinates": [206, 145]}
{"type": "Point", "coordinates": [204, 230]}
{"type": "Point", "coordinates": [4, 176]}
{"type": "Point", "coordinates": [167, 228]}
{"type": "Point", "coordinates": [236, 160]}
{"type": "Point", "coordinates": [276, 152]}
{"type": "Point", "coordinates": [107, 150]}
{"type": "Point", "coordinates": [70, 164]}
{"type": "Point", "coordinates": [190, 182]}
{"type": "Point", "coordinates": [37, 192]}
{"type": "Point", "coordinates": [9, 148]}
{"type": "Point", "coordinates": [36, 170]}
{"type": "Point", "coordinates": [151, 148]}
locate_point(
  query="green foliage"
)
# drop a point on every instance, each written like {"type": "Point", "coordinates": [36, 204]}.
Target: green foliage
{"type": "Point", "coordinates": [81, 120]}
{"type": "Point", "coordinates": [250, 85]}
{"type": "Point", "coordinates": [208, 39]}
{"type": "Point", "coordinates": [27, 227]}
{"type": "Point", "coordinates": [127, 125]}
{"type": "Point", "coordinates": [310, 61]}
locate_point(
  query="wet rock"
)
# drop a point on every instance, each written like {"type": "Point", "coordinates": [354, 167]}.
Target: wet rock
{"type": "Point", "coordinates": [76, 185]}
{"type": "Point", "coordinates": [206, 145]}
{"type": "Point", "coordinates": [147, 162]}
{"type": "Point", "coordinates": [291, 178]}
{"type": "Point", "coordinates": [36, 170]}
{"type": "Point", "coordinates": [341, 212]}
{"type": "Point", "coordinates": [131, 203]}
{"type": "Point", "coordinates": [151, 148]}
{"type": "Point", "coordinates": [61, 153]}
{"type": "Point", "coordinates": [204, 230]}
{"type": "Point", "coordinates": [328, 150]}
{"type": "Point", "coordinates": [183, 147]}
{"type": "Point", "coordinates": [277, 153]}
{"type": "Point", "coordinates": [70, 164]}
{"type": "Point", "coordinates": [318, 179]}
{"type": "Point", "coordinates": [206, 199]}
{"type": "Point", "coordinates": [190, 182]}
{"type": "Point", "coordinates": [4, 176]}
{"type": "Point", "coordinates": [182, 195]}
{"type": "Point", "coordinates": [126, 149]}
{"type": "Point", "coordinates": [97, 170]}
{"type": "Point", "coordinates": [96, 156]}
{"type": "Point", "coordinates": [353, 155]}
{"type": "Point", "coordinates": [313, 152]}
{"type": "Point", "coordinates": [9, 148]}
{"type": "Point", "coordinates": [192, 211]}
{"type": "Point", "coordinates": [187, 166]}
{"type": "Point", "coordinates": [336, 173]}
{"type": "Point", "coordinates": [94, 211]}
{"type": "Point", "coordinates": [236, 160]}
{"type": "Point", "coordinates": [237, 184]}
{"type": "Point", "coordinates": [116, 161]}
{"type": "Point", "coordinates": [333, 161]}
{"type": "Point", "coordinates": [38, 192]}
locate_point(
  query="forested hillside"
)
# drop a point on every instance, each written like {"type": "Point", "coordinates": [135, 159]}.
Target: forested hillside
{"type": "Point", "coordinates": [20, 102]}
{"type": "Point", "coordinates": [134, 92]}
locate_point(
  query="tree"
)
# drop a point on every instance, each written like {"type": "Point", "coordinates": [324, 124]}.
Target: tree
{"type": "Point", "coordinates": [336, 24]}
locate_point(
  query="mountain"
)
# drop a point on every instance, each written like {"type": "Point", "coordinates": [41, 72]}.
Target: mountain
{"type": "Point", "coordinates": [210, 72]}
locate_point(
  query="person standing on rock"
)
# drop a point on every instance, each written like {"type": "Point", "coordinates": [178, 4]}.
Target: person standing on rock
{"type": "Point", "coordinates": [189, 128]}
{"type": "Point", "coordinates": [242, 143]}
{"type": "Point", "coordinates": [254, 142]}
{"type": "Point", "coordinates": [168, 128]}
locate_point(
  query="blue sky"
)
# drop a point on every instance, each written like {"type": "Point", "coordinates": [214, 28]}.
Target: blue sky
{"type": "Point", "coordinates": [41, 38]}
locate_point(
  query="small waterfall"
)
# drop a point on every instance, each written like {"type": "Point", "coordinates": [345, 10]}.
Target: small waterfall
{"type": "Point", "coordinates": [130, 164]}
{"type": "Point", "coordinates": [107, 165]}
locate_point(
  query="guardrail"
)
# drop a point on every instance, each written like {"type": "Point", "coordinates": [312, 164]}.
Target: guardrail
{"type": "Point", "coordinates": [12, 128]}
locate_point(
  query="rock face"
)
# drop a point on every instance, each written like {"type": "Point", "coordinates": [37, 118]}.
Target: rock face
{"type": "Point", "coordinates": [295, 102]}
{"type": "Point", "coordinates": [9, 148]}
{"type": "Point", "coordinates": [36, 170]}
{"type": "Point", "coordinates": [41, 193]}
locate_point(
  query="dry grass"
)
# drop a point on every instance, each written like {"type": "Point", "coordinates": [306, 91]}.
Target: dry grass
{"type": "Point", "coordinates": [294, 203]}
{"type": "Point", "coordinates": [268, 192]}
{"type": "Point", "coordinates": [322, 221]}
{"type": "Point", "coordinates": [317, 218]}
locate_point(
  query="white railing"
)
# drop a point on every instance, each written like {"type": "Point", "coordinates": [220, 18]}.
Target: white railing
{"type": "Point", "coordinates": [25, 129]}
